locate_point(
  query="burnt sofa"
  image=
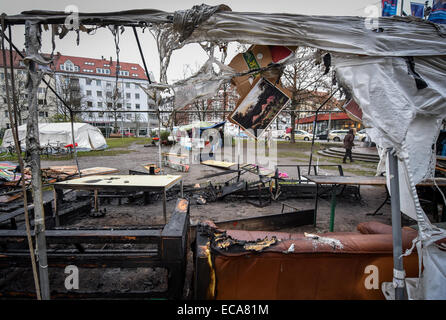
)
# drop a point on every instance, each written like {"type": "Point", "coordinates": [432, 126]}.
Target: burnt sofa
{"type": "Point", "coordinates": [326, 266]}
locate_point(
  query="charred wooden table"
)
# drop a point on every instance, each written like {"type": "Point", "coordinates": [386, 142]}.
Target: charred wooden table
{"type": "Point", "coordinates": [151, 247]}
{"type": "Point", "coordinates": [356, 180]}
{"type": "Point", "coordinates": [159, 183]}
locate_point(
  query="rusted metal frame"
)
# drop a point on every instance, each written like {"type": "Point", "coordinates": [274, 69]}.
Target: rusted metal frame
{"type": "Point", "coordinates": [142, 56]}
{"type": "Point", "coordinates": [86, 236]}
{"type": "Point", "coordinates": [127, 18]}
{"type": "Point", "coordinates": [132, 295]}
{"type": "Point", "coordinates": [74, 143]}
{"type": "Point", "coordinates": [19, 155]}
{"type": "Point", "coordinates": [32, 43]}
{"type": "Point", "coordinates": [14, 100]}
{"type": "Point", "coordinates": [171, 254]}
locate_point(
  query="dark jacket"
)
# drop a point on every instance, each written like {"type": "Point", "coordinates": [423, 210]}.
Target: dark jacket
{"type": "Point", "coordinates": [348, 141]}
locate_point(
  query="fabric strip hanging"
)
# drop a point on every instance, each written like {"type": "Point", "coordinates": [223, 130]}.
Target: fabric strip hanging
{"type": "Point", "coordinates": [389, 7]}
{"type": "Point", "coordinates": [438, 13]}
{"type": "Point", "coordinates": [417, 9]}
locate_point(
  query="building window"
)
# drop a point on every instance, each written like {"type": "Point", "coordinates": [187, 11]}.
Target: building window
{"type": "Point", "coordinates": [88, 92]}
{"type": "Point", "coordinates": [124, 73]}
{"type": "Point", "coordinates": [136, 95]}
{"type": "Point", "coordinates": [41, 90]}
{"type": "Point", "coordinates": [6, 114]}
{"type": "Point", "coordinates": [134, 68]}
{"type": "Point", "coordinates": [89, 104]}
{"type": "Point", "coordinates": [119, 105]}
{"type": "Point", "coordinates": [128, 116]}
{"type": "Point", "coordinates": [127, 95]}
{"type": "Point", "coordinates": [127, 85]}
{"type": "Point", "coordinates": [99, 93]}
{"type": "Point", "coordinates": [100, 114]}
{"type": "Point", "coordinates": [129, 105]}
{"type": "Point", "coordinates": [137, 106]}
{"type": "Point", "coordinates": [134, 74]}
{"type": "Point", "coordinates": [98, 82]}
{"type": "Point", "coordinates": [110, 105]}
{"type": "Point", "coordinates": [99, 104]}
{"type": "Point", "coordinates": [88, 81]}
{"type": "Point", "coordinates": [41, 101]}
{"type": "Point", "coordinates": [109, 94]}
{"type": "Point", "coordinates": [108, 84]}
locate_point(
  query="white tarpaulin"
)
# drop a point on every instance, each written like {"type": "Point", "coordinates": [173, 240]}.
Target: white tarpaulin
{"type": "Point", "coordinates": [86, 136]}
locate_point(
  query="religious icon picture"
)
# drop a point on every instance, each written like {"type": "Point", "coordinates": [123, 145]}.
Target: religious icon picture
{"type": "Point", "coordinates": [259, 108]}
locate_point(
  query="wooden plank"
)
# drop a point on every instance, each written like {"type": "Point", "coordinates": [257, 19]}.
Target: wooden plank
{"type": "Point", "coordinates": [347, 180]}
{"type": "Point", "coordinates": [366, 180]}
{"type": "Point", "coordinates": [86, 236]}
{"type": "Point", "coordinates": [7, 199]}
{"type": "Point", "coordinates": [218, 164]}
{"type": "Point", "coordinates": [174, 234]}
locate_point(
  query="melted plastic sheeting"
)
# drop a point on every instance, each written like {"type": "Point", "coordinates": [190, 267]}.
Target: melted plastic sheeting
{"type": "Point", "coordinates": [204, 84]}
{"type": "Point", "coordinates": [408, 119]}
{"type": "Point", "coordinates": [394, 36]}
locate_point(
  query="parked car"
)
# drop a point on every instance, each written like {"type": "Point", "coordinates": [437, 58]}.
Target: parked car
{"type": "Point", "coordinates": [299, 135]}
{"type": "Point", "coordinates": [278, 134]}
{"type": "Point", "coordinates": [337, 135]}
{"type": "Point", "coordinates": [361, 135]}
{"type": "Point", "coordinates": [322, 135]}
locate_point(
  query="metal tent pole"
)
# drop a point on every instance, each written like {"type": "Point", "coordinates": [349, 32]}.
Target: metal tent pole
{"type": "Point", "coordinates": [398, 268]}
{"type": "Point", "coordinates": [32, 43]}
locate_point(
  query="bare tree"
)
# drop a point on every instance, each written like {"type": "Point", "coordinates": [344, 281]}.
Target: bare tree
{"type": "Point", "coordinates": [69, 90]}
{"type": "Point", "coordinates": [308, 83]}
{"type": "Point", "coordinates": [113, 103]}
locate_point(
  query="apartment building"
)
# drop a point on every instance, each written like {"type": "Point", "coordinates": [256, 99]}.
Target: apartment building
{"type": "Point", "coordinates": [113, 92]}
{"type": "Point", "coordinates": [45, 98]}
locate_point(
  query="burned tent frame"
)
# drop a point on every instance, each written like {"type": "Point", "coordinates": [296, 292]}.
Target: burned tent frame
{"type": "Point", "coordinates": [199, 24]}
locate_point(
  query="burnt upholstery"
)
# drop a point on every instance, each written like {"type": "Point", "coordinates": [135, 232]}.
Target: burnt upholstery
{"type": "Point", "coordinates": [315, 269]}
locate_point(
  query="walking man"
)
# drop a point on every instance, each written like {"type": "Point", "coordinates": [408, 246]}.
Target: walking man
{"type": "Point", "coordinates": [348, 145]}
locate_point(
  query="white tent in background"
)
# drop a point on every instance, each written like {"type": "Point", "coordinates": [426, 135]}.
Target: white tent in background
{"type": "Point", "coordinates": [86, 136]}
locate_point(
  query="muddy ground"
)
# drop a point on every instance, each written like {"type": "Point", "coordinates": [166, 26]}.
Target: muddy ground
{"type": "Point", "coordinates": [349, 212]}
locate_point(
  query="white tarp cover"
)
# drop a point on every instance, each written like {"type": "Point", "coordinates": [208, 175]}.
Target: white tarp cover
{"type": "Point", "coordinates": [370, 61]}
{"type": "Point", "coordinates": [384, 36]}
{"type": "Point", "coordinates": [86, 136]}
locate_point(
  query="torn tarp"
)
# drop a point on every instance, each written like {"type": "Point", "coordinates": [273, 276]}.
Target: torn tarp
{"type": "Point", "coordinates": [395, 36]}
{"type": "Point", "coordinates": [204, 84]}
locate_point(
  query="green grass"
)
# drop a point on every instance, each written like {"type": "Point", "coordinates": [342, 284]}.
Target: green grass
{"type": "Point", "coordinates": [113, 143]}
{"type": "Point", "coordinates": [124, 142]}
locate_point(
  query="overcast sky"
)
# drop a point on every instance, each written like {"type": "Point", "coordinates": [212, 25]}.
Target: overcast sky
{"type": "Point", "coordinates": [102, 44]}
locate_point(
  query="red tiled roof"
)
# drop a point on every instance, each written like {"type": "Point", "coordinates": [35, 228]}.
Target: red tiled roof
{"type": "Point", "coordinates": [80, 62]}
{"type": "Point", "coordinates": [15, 56]}
{"type": "Point", "coordinates": [323, 117]}
{"type": "Point", "coordinates": [103, 64]}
